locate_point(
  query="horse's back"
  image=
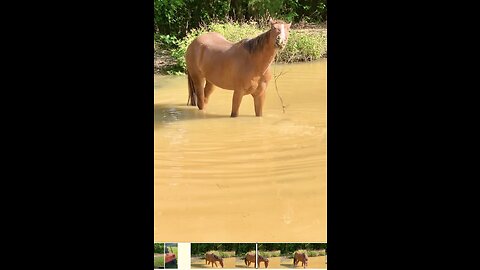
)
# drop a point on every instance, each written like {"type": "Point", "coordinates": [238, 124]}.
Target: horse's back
{"type": "Point", "coordinates": [214, 41]}
{"type": "Point", "coordinates": [211, 256]}
{"type": "Point", "coordinates": [207, 46]}
{"type": "Point", "coordinates": [299, 256]}
{"type": "Point", "coordinates": [216, 59]}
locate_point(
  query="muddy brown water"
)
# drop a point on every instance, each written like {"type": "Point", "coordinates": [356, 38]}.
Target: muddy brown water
{"type": "Point", "coordinates": [244, 179]}
{"type": "Point", "coordinates": [240, 263]}
{"type": "Point", "coordinates": [284, 262]}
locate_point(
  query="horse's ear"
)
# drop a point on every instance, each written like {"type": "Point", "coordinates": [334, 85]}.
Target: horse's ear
{"type": "Point", "coordinates": [270, 21]}
{"type": "Point", "coordinates": [288, 25]}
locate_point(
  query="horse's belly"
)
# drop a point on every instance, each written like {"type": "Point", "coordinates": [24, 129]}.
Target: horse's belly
{"type": "Point", "coordinates": [221, 76]}
{"type": "Point", "coordinates": [223, 85]}
{"type": "Point", "coordinates": [230, 83]}
{"type": "Point", "coordinates": [230, 78]}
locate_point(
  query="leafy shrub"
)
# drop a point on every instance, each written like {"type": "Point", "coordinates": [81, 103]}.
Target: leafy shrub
{"type": "Point", "coordinates": [268, 254]}
{"type": "Point", "coordinates": [158, 248]}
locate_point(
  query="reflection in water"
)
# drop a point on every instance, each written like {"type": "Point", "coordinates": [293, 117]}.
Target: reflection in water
{"type": "Point", "coordinates": [217, 178]}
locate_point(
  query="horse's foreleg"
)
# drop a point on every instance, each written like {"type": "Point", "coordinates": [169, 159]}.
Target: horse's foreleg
{"type": "Point", "coordinates": [237, 99]}
{"type": "Point", "coordinates": [258, 101]}
{"type": "Point", "coordinates": [259, 98]}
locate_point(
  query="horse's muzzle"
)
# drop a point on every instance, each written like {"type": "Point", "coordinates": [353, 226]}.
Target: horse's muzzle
{"type": "Point", "coordinates": [279, 44]}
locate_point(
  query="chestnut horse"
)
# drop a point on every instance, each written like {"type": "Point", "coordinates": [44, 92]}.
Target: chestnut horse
{"type": "Point", "coordinates": [212, 258]}
{"type": "Point", "coordinates": [300, 257]}
{"type": "Point", "coordinates": [264, 260]}
{"type": "Point", "coordinates": [249, 258]}
{"type": "Point", "coordinates": [243, 67]}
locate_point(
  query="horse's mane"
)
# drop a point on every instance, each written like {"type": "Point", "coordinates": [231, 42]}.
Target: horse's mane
{"type": "Point", "coordinates": [254, 44]}
{"type": "Point", "coordinates": [261, 257]}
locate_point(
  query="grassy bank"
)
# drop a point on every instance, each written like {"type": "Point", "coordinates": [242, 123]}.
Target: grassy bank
{"type": "Point", "coordinates": [303, 44]}
{"type": "Point", "coordinates": [158, 261]}
{"type": "Point", "coordinates": [268, 254]}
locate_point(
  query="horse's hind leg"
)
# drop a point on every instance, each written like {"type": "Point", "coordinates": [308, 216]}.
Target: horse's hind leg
{"type": "Point", "coordinates": [199, 84]}
{"type": "Point", "coordinates": [208, 90]}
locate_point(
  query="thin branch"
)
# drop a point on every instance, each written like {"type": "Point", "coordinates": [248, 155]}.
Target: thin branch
{"type": "Point", "coordinates": [276, 87]}
{"type": "Point", "coordinates": [275, 76]}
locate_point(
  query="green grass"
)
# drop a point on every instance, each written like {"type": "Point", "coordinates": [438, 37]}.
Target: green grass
{"type": "Point", "coordinates": [268, 254]}
{"type": "Point", "coordinates": [158, 261]}
{"type": "Point", "coordinates": [315, 253]}
{"type": "Point", "coordinates": [301, 46]}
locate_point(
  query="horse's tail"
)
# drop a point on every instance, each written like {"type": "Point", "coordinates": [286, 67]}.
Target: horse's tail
{"type": "Point", "coordinates": [192, 95]}
{"type": "Point", "coordinates": [245, 260]}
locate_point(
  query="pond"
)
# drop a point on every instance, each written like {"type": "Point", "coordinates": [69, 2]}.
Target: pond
{"type": "Point", "coordinates": [244, 179]}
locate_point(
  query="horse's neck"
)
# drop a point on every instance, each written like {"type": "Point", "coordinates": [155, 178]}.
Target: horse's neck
{"type": "Point", "coordinates": [265, 57]}
{"type": "Point", "coordinates": [266, 61]}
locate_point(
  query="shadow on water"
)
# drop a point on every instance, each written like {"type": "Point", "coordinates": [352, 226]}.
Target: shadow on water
{"type": "Point", "coordinates": [169, 113]}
